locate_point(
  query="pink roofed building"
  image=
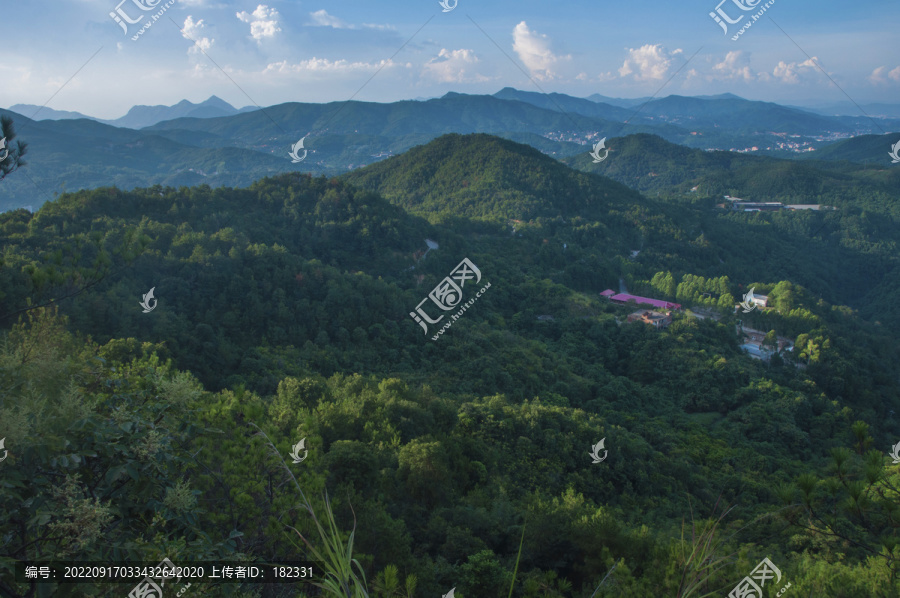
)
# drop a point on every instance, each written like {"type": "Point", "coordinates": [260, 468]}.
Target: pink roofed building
{"type": "Point", "coordinates": [626, 298]}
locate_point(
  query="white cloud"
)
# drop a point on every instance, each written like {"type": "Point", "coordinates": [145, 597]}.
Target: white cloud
{"type": "Point", "coordinates": [534, 51]}
{"type": "Point", "coordinates": [263, 22]}
{"type": "Point", "coordinates": [321, 18]}
{"type": "Point", "coordinates": [790, 72]}
{"type": "Point", "coordinates": [735, 66]}
{"type": "Point", "coordinates": [691, 75]}
{"type": "Point", "coordinates": [192, 31]}
{"type": "Point", "coordinates": [454, 66]}
{"type": "Point", "coordinates": [647, 63]}
{"type": "Point", "coordinates": [878, 75]}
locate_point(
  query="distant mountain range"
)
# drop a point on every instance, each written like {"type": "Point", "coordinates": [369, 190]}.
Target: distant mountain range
{"type": "Point", "coordinates": [851, 109]}
{"type": "Point", "coordinates": [216, 144]}
{"type": "Point", "coordinates": [141, 116]}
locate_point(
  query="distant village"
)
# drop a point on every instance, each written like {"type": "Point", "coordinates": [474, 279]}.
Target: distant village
{"type": "Point", "coordinates": [753, 341]}
{"type": "Point", "coordinates": [742, 205]}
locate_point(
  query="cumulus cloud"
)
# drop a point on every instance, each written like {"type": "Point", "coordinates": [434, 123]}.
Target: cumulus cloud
{"type": "Point", "coordinates": [263, 22]}
{"type": "Point", "coordinates": [454, 66]}
{"type": "Point", "coordinates": [648, 63]}
{"type": "Point", "coordinates": [790, 72]}
{"type": "Point", "coordinates": [534, 51]}
{"type": "Point", "coordinates": [193, 31]}
{"type": "Point", "coordinates": [735, 66]}
{"type": "Point", "coordinates": [878, 75]}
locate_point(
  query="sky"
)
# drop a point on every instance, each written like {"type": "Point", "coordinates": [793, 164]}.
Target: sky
{"type": "Point", "coordinates": [72, 55]}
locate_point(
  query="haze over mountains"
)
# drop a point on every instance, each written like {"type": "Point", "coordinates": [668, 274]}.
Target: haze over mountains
{"type": "Point", "coordinates": [216, 144]}
{"type": "Point", "coordinates": [141, 116]}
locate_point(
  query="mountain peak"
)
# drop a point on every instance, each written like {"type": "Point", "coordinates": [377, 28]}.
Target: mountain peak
{"type": "Point", "coordinates": [217, 102]}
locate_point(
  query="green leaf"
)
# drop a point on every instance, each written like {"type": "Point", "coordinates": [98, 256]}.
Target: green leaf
{"type": "Point", "coordinates": [113, 474]}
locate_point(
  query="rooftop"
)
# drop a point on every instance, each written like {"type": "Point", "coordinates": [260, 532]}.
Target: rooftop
{"type": "Point", "coordinates": [625, 298]}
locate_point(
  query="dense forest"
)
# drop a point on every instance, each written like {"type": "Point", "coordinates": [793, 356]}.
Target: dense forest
{"type": "Point", "coordinates": [284, 314]}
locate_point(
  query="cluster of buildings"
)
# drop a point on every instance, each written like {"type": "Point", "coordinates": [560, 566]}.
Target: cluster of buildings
{"type": "Point", "coordinates": [753, 344]}
{"type": "Point", "coordinates": [657, 319]}
{"type": "Point", "coordinates": [742, 205]}
{"type": "Point", "coordinates": [661, 316]}
{"type": "Point", "coordinates": [625, 298]}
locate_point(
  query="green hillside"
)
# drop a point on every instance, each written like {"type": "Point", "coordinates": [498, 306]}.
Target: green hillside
{"type": "Point", "coordinates": [653, 165]}
{"type": "Point", "coordinates": [486, 178]}
{"type": "Point", "coordinates": [284, 314]}
{"type": "Point", "coordinates": [869, 149]}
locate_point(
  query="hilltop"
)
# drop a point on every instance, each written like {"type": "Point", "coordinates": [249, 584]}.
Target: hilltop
{"type": "Point", "coordinates": [484, 177]}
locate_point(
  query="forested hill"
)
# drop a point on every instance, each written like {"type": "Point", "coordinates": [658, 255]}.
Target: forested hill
{"type": "Point", "coordinates": [841, 255]}
{"type": "Point", "coordinates": [485, 177]}
{"type": "Point", "coordinates": [286, 305]}
{"type": "Point", "coordinates": [653, 165]}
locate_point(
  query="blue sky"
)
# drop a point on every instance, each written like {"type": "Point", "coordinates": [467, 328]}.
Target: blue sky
{"type": "Point", "coordinates": [276, 51]}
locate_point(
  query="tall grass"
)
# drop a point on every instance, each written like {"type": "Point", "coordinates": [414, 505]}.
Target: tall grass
{"type": "Point", "coordinates": [518, 556]}
{"type": "Point", "coordinates": [344, 576]}
{"type": "Point", "coordinates": [707, 555]}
